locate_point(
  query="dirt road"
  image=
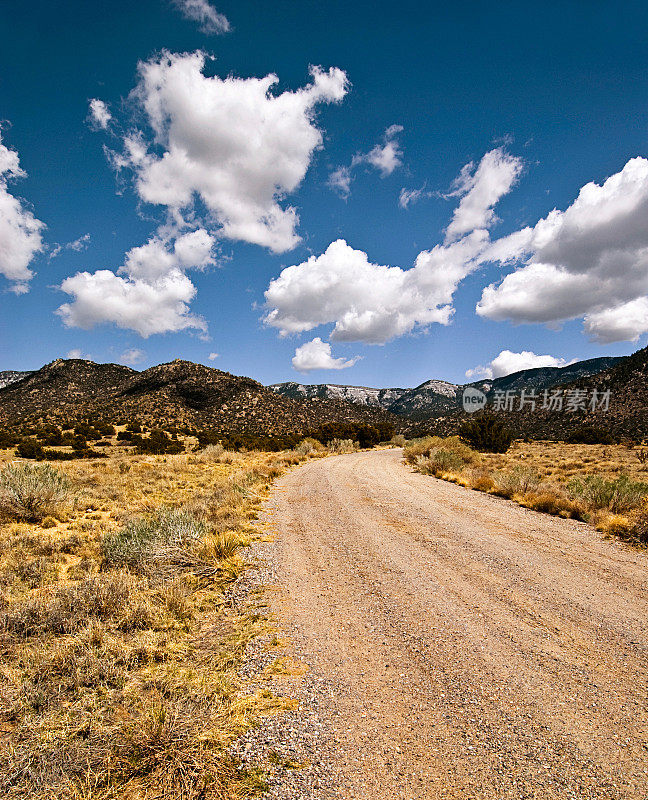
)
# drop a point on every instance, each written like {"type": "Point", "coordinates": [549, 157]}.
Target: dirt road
{"type": "Point", "coordinates": [478, 649]}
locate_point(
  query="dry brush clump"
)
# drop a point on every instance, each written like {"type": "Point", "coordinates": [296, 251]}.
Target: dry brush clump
{"type": "Point", "coordinates": [30, 492]}
{"type": "Point", "coordinates": [434, 455]}
{"type": "Point", "coordinates": [119, 652]}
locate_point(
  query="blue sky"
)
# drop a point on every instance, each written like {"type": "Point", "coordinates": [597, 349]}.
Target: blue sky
{"type": "Point", "coordinates": [542, 99]}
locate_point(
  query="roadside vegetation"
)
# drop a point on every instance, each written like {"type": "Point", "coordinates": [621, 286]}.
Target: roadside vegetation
{"type": "Point", "coordinates": [606, 485]}
{"type": "Point", "coordinates": [119, 646]}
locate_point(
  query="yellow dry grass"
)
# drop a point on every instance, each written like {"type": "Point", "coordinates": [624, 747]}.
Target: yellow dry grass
{"type": "Point", "coordinates": [118, 681]}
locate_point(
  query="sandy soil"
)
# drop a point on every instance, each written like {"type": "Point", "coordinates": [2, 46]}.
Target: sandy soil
{"type": "Point", "coordinates": [478, 649]}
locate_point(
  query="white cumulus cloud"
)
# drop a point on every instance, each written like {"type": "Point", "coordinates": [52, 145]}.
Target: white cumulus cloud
{"type": "Point", "coordinates": [373, 303]}
{"type": "Point", "coordinates": [100, 116]}
{"type": "Point", "coordinates": [340, 181]}
{"type": "Point", "coordinates": [20, 231]}
{"type": "Point", "coordinates": [233, 143]}
{"type": "Point", "coordinates": [149, 294]}
{"type": "Point", "coordinates": [202, 12]}
{"type": "Point", "coordinates": [508, 362]}
{"type": "Point", "coordinates": [316, 354]}
{"type": "Point", "coordinates": [369, 302]}
{"type": "Point", "coordinates": [385, 157]}
{"type": "Point", "coordinates": [76, 352]}
{"type": "Point", "coordinates": [589, 261]}
{"type": "Point", "coordinates": [212, 356]}
{"type": "Point", "coordinates": [76, 246]}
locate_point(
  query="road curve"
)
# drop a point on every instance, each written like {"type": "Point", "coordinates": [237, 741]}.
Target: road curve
{"type": "Point", "coordinates": [481, 650]}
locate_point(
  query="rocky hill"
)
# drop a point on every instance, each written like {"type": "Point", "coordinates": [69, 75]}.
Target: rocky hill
{"type": "Point", "coordinates": [437, 398]}
{"type": "Point", "coordinates": [178, 393]}
{"type": "Point", "coordinates": [579, 403]}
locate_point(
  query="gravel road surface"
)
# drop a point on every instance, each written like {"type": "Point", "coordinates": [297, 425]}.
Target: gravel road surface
{"type": "Point", "coordinates": [466, 647]}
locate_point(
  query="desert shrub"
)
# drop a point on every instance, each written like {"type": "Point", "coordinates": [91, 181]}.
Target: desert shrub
{"type": "Point", "coordinates": [590, 434]}
{"type": "Point", "coordinates": [479, 478]}
{"type": "Point", "coordinates": [30, 492]}
{"type": "Point", "coordinates": [30, 448]}
{"type": "Point", "coordinates": [486, 433]}
{"type": "Point", "coordinates": [157, 442]}
{"type": "Point", "coordinates": [638, 530]}
{"type": "Point", "coordinates": [308, 446]}
{"type": "Point", "coordinates": [518, 480]}
{"type": "Point", "coordinates": [67, 455]}
{"type": "Point", "coordinates": [421, 447]}
{"type": "Point", "coordinates": [147, 539]}
{"type": "Point", "coordinates": [341, 446]}
{"type": "Point", "coordinates": [398, 441]}
{"type": "Point", "coordinates": [439, 460]}
{"type": "Point", "coordinates": [67, 608]}
{"type": "Point", "coordinates": [552, 502]}
{"type": "Point", "coordinates": [617, 495]}
{"type": "Point", "coordinates": [217, 454]}
{"type": "Point", "coordinates": [366, 435]}
{"type": "Point", "coordinates": [442, 454]}
{"type": "Point", "coordinates": [8, 438]}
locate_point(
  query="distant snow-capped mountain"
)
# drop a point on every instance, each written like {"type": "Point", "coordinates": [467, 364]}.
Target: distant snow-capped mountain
{"type": "Point", "coordinates": [11, 376]}
{"type": "Point", "coordinates": [435, 398]}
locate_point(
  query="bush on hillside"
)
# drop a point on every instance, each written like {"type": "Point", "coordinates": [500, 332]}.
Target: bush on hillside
{"type": "Point", "coordinates": [486, 433]}
{"type": "Point", "coordinates": [341, 446]}
{"type": "Point", "coordinates": [589, 434]}
{"type": "Point", "coordinates": [30, 448]}
{"type": "Point", "coordinates": [154, 539]}
{"type": "Point", "coordinates": [157, 442]}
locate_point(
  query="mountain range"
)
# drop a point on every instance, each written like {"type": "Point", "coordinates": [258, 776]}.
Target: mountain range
{"type": "Point", "coordinates": [437, 397]}
{"type": "Point", "coordinates": [203, 398]}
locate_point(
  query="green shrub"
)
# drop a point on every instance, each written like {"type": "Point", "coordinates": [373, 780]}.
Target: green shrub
{"type": "Point", "coordinates": [32, 491]}
{"type": "Point", "coordinates": [617, 495]}
{"type": "Point", "coordinates": [341, 446]}
{"type": "Point", "coordinates": [30, 448]}
{"type": "Point", "coordinates": [68, 608]}
{"type": "Point", "coordinates": [440, 460]}
{"type": "Point", "coordinates": [589, 434]}
{"type": "Point", "coordinates": [308, 446]}
{"type": "Point", "coordinates": [486, 433]}
{"type": "Point", "coordinates": [638, 531]}
{"type": "Point", "coordinates": [157, 442]}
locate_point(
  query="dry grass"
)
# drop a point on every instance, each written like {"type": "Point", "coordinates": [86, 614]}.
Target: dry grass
{"type": "Point", "coordinates": [604, 484]}
{"type": "Point", "coordinates": [119, 652]}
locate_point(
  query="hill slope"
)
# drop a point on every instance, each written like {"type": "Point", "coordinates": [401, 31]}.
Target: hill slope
{"type": "Point", "coordinates": [627, 415]}
{"type": "Point", "coordinates": [178, 393]}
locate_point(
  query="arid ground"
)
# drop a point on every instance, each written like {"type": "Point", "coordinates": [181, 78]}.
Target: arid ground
{"type": "Point", "coordinates": [479, 649]}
